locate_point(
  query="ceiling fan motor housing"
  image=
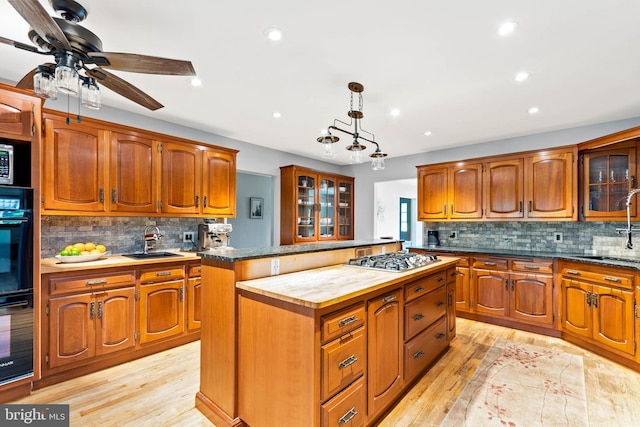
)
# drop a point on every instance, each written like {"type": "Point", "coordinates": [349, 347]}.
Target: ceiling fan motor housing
{"type": "Point", "coordinates": [69, 10]}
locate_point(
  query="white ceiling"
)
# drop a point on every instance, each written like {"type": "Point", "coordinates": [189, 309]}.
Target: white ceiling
{"type": "Point", "coordinates": [441, 63]}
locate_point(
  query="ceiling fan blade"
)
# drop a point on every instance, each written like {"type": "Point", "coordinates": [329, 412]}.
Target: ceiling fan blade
{"type": "Point", "coordinates": [43, 24]}
{"type": "Point", "coordinates": [145, 64]}
{"type": "Point", "coordinates": [124, 88]}
{"type": "Point", "coordinates": [19, 45]}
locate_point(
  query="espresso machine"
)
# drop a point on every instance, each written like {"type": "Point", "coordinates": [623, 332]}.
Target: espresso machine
{"type": "Point", "coordinates": [213, 234]}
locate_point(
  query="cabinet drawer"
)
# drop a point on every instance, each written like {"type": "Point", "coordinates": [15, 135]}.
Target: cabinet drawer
{"type": "Point", "coordinates": [533, 266]}
{"type": "Point", "coordinates": [616, 279]}
{"type": "Point", "coordinates": [347, 408]}
{"type": "Point", "coordinates": [195, 270]}
{"type": "Point", "coordinates": [463, 262]}
{"type": "Point", "coordinates": [338, 323]}
{"type": "Point", "coordinates": [161, 275]}
{"type": "Point", "coordinates": [420, 351]}
{"type": "Point", "coordinates": [420, 313]}
{"type": "Point", "coordinates": [61, 285]}
{"type": "Point", "coordinates": [343, 360]}
{"type": "Point", "coordinates": [419, 287]}
{"type": "Point", "coordinates": [490, 263]}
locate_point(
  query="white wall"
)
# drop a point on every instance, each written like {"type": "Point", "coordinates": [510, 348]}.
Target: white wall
{"type": "Point", "coordinates": [386, 209]}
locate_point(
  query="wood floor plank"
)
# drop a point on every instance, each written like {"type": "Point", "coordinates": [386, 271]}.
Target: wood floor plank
{"type": "Point", "coordinates": [159, 390]}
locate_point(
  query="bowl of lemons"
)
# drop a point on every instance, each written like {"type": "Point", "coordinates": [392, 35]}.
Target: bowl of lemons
{"type": "Point", "coordinates": [82, 252]}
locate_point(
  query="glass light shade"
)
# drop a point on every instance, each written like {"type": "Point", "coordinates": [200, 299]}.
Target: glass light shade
{"type": "Point", "coordinates": [44, 85]}
{"type": "Point", "coordinates": [355, 157]}
{"type": "Point", "coordinates": [377, 164]}
{"type": "Point", "coordinates": [90, 95]}
{"type": "Point", "coordinates": [67, 79]}
{"type": "Point", "coordinates": [327, 150]}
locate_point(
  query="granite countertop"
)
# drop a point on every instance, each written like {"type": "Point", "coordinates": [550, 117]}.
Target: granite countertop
{"type": "Point", "coordinates": [323, 287]}
{"type": "Point", "coordinates": [604, 260]}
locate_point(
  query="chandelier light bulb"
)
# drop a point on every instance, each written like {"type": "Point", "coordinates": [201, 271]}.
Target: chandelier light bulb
{"type": "Point", "coordinates": [67, 79]}
{"type": "Point", "coordinates": [327, 151]}
{"type": "Point", "coordinates": [355, 157]}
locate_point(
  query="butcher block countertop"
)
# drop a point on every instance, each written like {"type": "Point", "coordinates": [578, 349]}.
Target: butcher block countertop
{"type": "Point", "coordinates": [322, 287]}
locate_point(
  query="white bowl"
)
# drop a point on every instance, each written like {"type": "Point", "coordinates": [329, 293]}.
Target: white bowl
{"type": "Point", "coordinates": [79, 258]}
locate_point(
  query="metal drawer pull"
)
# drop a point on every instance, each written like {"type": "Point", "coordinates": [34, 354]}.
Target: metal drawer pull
{"type": "Point", "coordinates": [348, 416]}
{"type": "Point", "coordinates": [612, 279]}
{"type": "Point", "coordinates": [440, 336]}
{"type": "Point", "coordinates": [347, 321]}
{"type": "Point", "coordinates": [594, 300]}
{"type": "Point", "coordinates": [490, 264]}
{"type": "Point", "coordinates": [348, 361]}
{"type": "Point", "coordinates": [163, 273]}
{"type": "Point", "coordinates": [588, 299]}
{"type": "Point", "coordinates": [418, 289]}
{"type": "Point", "coordinates": [389, 299]}
{"type": "Point", "coordinates": [576, 273]}
{"type": "Point", "coordinates": [92, 308]}
{"type": "Point", "coordinates": [439, 303]}
{"type": "Point", "coordinates": [96, 282]}
{"type": "Point", "coordinates": [440, 279]}
{"type": "Point", "coordinates": [99, 309]}
{"type": "Point", "coordinates": [532, 267]}
{"type": "Point", "coordinates": [418, 355]}
{"type": "Point", "coordinates": [418, 316]}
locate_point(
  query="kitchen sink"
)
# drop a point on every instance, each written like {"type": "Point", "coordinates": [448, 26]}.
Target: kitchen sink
{"type": "Point", "coordinates": [152, 255]}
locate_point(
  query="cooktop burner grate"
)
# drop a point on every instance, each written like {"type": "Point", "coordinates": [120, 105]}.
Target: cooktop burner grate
{"type": "Point", "coordinates": [393, 261]}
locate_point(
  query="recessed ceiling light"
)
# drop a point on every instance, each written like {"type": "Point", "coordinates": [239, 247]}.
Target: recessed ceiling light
{"type": "Point", "coordinates": [521, 76]}
{"type": "Point", "coordinates": [507, 27]}
{"type": "Point", "coordinates": [195, 82]}
{"type": "Point", "coordinates": [427, 133]}
{"type": "Point", "coordinates": [273, 34]}
{"type": "Point", "coordinates": [534, 110]}
{"type": "Point", "coordinates": [395, 112]}
{"type": "Point", "coordinates": [277, 115]}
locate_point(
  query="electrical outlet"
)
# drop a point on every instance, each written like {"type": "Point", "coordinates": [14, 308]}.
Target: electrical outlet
{"type": "Point", "coordinates": [557, 237]}
{"type": "Point", "coordinates": [453, 235]}
{"type": "Point", "coordinates": [187, 236]}
{"type": "Point", "coordinates": [275, 266]}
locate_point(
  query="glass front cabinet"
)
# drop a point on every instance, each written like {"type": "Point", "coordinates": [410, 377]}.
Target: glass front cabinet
{"type": "Point", "coordinates": [608, 176]}
{"type": "Point", "coordinates": [315, 206]}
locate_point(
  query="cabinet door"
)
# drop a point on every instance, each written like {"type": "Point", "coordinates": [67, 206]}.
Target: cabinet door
{"type": "Point", "coordinates": [327, 189]}
{"type": "Point", "coordinates": [504, 189]}
{"type": "Point", "coordinates": [384, 323]}
{"type": "Point", "coordinates": [608, 177]}
{"type": "Point", "coordinates": [345, 209]}
{"type": "Point", "coordinates": [219, 183]}
{"type": "Point", "coordinates": [161, 310]}
{"type": "Point", "coordinates": [432, 193]}
{"type": "Point", "coordinates": [549, 185]}
{"type": "Point", "coordinates": [465, 196]}
{"type": "Point", "coordinates": [181, 178]}
{"type": "Point", "coordinates": [462, 295]}
{"type": "Point", "coordinates": [194, 303]}
{"type": "Point", "coordinates": [491, 289]}
{"type": "Point", "coordinates": [74, 173]}
{"type": "Point", "coordinates": [305, 206]}
{"type": "Point", "coordinates": [577, 315]}
{"type": "Point", "coordinates": [134, 173]}
{"type": "Point", "coordinates": [613, 320]}
{"type": "Point", "coordinates": [71, 329]}
{"type": "Point", "coordinates": [115, 320]}
{"type": "Point", "coordinates": [17, 115]}
{"type": "Point", "coordinates": [451, 311]}
{"type": "Point", "coordinates": [531, 298]}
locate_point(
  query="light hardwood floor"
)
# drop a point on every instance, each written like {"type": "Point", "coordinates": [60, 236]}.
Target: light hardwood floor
{"type": "Point", "coordinates": [159, 390]}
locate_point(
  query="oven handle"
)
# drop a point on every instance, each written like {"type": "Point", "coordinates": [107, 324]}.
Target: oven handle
{"type": "Point", "coordinates": [14, 304]}
{"type": "Point", "coordinates": [9, 221]}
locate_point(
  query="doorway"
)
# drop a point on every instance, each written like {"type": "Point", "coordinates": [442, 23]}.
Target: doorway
{"type": "Point", "coordinates": [405, 218]}
{"type": "Point", "coordinates": [386, 211]}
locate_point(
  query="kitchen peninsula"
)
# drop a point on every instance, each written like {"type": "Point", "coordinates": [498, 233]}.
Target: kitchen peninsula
{"type": "Point", "coordinates": [326, 344]}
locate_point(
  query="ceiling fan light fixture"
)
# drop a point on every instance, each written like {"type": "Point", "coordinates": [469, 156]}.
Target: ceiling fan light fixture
{"type": "Point", "coordinates": [90, 94]}
{"type": "Point", "coordinates": [44, 83]}
{"type": "Point", "coordinates": [67, 74]}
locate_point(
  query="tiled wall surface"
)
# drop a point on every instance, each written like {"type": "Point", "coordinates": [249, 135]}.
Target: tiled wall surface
{"type": "Point", "coordinates": [577, 237]}
{"type": "Point", "coordinates": [119, 234]}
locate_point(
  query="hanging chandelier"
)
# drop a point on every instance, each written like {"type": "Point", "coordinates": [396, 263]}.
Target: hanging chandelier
{"type": "Point", "coordinates": [327, 140]}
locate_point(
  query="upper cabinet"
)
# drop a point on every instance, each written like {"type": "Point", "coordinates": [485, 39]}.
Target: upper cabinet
{"type": "Point", "coordinates": [19, 115]}
{"type": "Point", "coordinates": [314, 206]}
{"type": "Point", "coordinates": [533, 186]}
{"type": "Point", "coordinates": [96, 167]}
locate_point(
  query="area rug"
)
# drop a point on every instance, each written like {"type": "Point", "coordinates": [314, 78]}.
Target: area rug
{"type": "Point", "coordinates": [519, 384]}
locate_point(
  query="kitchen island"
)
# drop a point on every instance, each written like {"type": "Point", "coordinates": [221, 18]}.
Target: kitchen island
{"type": "Point", "coordinates": [261, 340]}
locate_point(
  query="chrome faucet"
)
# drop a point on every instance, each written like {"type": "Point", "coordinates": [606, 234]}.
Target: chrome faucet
{"type": "Point", "coordinates": [150, 239]}
{"type": "Point", "coordinates": [630, 227]}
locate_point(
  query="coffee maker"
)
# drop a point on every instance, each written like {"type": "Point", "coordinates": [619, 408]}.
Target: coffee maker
{"type": "Point", "coordinates": [213, 234]}
{"type": "Point", "coordinates": [433, 238]}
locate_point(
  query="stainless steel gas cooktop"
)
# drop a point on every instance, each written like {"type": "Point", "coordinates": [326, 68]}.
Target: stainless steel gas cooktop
{"type": "Point", "coordinates": [393, 261]}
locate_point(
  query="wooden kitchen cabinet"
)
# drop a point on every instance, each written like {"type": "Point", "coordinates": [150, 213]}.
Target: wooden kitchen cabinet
{"type": "Point", "coordinates": [452, 279]}
{"type": "Point", "coordinates": [19, 115]}
{"type": "Point", "coordinates": [74, 175]}
{"type": "Point", "coordinates": [315, 206]}
{"type": "Point", "coordinates": [551, 185]}
{"type": "Point", "coordinates": [194, 297]}
{"type": "Point", "coordinates": [218, 183]}
{"type": "Point", "coordinates": [161, 303]}
{"type": "Point", "coordinates": [454, 192]}
{"type": "Point", "coordinates": [504, 189]}
{"type": "Point", "coordinates": [181, 178]}
{"type": "Point", "coordinates": [598, 306]}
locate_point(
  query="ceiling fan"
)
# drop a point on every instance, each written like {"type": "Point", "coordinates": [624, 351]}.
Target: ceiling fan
{"type": "Point", "coordinates": [75, 48]}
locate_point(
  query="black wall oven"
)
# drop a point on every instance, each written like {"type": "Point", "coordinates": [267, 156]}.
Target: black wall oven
{"type": "Point", "coordinates": [16, 283]}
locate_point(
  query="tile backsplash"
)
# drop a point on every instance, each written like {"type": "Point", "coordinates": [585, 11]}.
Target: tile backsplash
{"type": "Point", "coordinates": [599, 238]}
{"type": "Point", "coordinates": [119, 234]}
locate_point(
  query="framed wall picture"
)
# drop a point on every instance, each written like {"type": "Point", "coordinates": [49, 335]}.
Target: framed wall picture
{"type": "Point", "coordinates": [256, 207]}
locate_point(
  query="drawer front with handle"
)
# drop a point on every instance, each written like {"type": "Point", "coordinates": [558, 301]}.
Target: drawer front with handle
{"type": "Point", "coordinates": [420, 313]}
{"type": "Point", "coordinates": [422, 286]}
{"type": "Point", "coordinates": [346, 409]}
{"type": "Point", "coordinates": [195, 270]}
{"type": "Point", "coordinates": [338, 323]}
{"type": "Point", "coordinates": [490, 263]}
{"type": "Point", "coordinates": [422, 350]}
{"type": "Point", "coordinates": [60, 285]}
{"type": "Point", "coordinates": [161, 275]}
{"type": "Point", "coordinates": [533, 266]}
{"type": "Point", "coordinates": [343, 360]}
{"type": "Point", "coordinates": [618, 279]}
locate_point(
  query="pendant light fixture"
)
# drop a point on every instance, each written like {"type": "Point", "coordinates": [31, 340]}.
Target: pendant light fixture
{"type": "Point", "coordinates": [327, 140]}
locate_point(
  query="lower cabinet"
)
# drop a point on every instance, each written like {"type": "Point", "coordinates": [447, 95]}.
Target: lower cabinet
{"type": "Point", "coordinates": [194, 297]}
{"type": "Point", "coordinates": [161, 303]}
